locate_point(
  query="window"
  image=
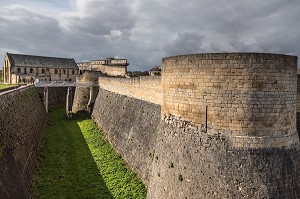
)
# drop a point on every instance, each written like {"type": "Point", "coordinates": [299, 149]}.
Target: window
{"type": "Point", "coordinates": [19, 70]}
{"type": "Point", "coordinates": [43, 71]}
{"type": "Point", "coordinates": [55, 71]}
{"type": "Point", "coordinates": [64, 71]}
{"type": "Point", "coordinates": [73, 72]}
{"type": "Point", "coordinates": [31, 70]}
{"type": "Point", "coordinates": [25, 70]}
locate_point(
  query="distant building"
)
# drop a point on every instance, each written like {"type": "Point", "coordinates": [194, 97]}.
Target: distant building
{"type": "Point", "coordinates": [155, 71]}
{"type": "Point", "coordinates": [27, 68]}
{"type": "Point", "coordinates": [108, 66]}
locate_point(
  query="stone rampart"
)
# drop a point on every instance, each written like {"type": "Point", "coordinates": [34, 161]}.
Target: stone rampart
{"type": "Point", "coordinates": [298, 103]}
{"type": "Point", "coordinates": [84, 91]}
{"type": "Point", "coordinates": [226, 126]}
{"type": "Point", "coordinates": [146, 88]}
{"type": "Point", "coordinates": [193, 164]}
{"type": "Point", "coordinates": [22, 121]}
{"type": "Point", "coordinates": [130, 125]}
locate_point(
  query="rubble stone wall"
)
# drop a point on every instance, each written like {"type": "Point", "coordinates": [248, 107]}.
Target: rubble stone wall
{"type": "Point", "coordinates": [22, 122]}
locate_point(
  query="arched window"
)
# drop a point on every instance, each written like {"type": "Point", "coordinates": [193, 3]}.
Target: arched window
{"type": "Point", "coordinates": [64, 71]}
{"type": "Point", "coordinates": [19, 70]}
{"type": "Point", "coordinates": [31, 70]}
{"type": "Point", "coordinates": [55, 71]}
{"type": "Point", "coordinates": [25, 70]}
{"type": "Point", "coordinates": [73, 72]}
{"type": "Point", "coordinates": [43, 71]}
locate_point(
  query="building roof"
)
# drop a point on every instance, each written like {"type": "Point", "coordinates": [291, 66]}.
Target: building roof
{"type": "Point", "coordinates": [40, 61]}
{"type": "Point", "coordinates": [155, 69]}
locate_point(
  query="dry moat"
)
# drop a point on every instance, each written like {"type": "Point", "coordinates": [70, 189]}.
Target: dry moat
{"type": "Point", "coordinates": [77, 162]}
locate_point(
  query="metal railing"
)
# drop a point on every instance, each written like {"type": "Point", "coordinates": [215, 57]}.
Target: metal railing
{"type": "Point", "coordinates": [54, 84]}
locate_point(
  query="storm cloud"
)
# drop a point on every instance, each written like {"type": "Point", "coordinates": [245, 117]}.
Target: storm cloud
{"type": "Point", "coordinates": [145, 31]}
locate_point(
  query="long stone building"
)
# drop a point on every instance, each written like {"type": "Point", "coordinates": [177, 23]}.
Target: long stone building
{"type": "Point", "coordinates": [108, 66]}
{"type": "Point", "coordinates": [18, 68]}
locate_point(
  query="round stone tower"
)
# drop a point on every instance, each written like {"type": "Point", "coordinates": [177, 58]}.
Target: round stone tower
{"type": "Point", "coordinates": [249, 97]}
{"type": "Point", "coordinates": [86, 91]}
{"type": "Point", "coordinates": [228, 128]}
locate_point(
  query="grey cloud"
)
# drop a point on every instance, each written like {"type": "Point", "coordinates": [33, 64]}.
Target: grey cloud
{"type": "Point", "coordinates": [100, 17]}
{"type": "Point", "coordinates": [185, 42]}
{"type": "Point", "coordinates": [24, 29]}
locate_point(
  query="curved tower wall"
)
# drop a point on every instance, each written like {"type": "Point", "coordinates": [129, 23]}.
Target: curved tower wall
{"type": "Point", "coordinates": [85, 91]}
{"type": "Point", "coordinates": [249, 97]}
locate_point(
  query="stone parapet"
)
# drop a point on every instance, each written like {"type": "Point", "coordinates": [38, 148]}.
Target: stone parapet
{"type": "Point", "coordinates": [146, 88]}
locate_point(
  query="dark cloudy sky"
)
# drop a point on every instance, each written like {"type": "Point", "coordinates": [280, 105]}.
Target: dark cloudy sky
{"type": "Point", "coordinates": [144, 31]}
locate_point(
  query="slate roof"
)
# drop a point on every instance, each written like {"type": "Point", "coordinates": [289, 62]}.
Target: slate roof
{"type": "Point", "coordinates": [41, 61]}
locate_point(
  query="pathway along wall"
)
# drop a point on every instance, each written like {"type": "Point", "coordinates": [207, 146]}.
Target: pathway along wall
{"type": "Point", "coordinates": [250, 149]}
{"type": "Point", "coordinates": [22, 120]}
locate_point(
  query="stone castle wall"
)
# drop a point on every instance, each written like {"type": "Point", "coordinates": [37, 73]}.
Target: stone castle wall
{"type": "Point", "coordinates": [22, 121]}
{"type": "Point", "coordinates": [192, 164]}
{"type": "Point", "coordinates": [130, 125]}
{"type": "Point", "coordinates": [146, 88]}
{"type": "Point", "coordinates": [243, 153]}
{"type": "Point", "coordinates": [84, 84]}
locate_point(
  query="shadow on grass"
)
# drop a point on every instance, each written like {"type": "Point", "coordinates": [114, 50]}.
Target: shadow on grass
{"type": "Point", "coordinates": [67, 168]}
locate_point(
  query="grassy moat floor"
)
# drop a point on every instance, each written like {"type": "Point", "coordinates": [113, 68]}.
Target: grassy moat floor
{"type": "Point", "coordinates": [77, 162]}
{"type": "Point", "coordinates": [3, 86]}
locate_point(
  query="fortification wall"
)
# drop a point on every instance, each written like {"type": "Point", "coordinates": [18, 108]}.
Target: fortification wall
{"type": "Point", "coordinates": [298, 103]}
{"type": "Point", "coordinates": [250, 148]}
{"type": "Point", "coordinates": [130, 125]}
{"type": "Point", "coordinates": [178, 161]}
{"type": "Point", "coordinates": [84, 91]}
{"type": "Point", "coordinates": [22, 120]}
{"type": "Point", "coordinates": [298, 93]}
{"type": "Point", "coordinates": [115, 70]}
{"type": "Point", "coordinates": [146, 88]}
{"type": "Point", "coordinates": [250, 97]}
{"type": "Point", "coordinates": [196, 165]}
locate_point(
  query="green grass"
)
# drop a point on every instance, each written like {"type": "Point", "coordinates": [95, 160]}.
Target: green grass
{"type": "Point", "coordinates": [3, 86]}
{"type": "Point", "coordinates": [77, 162]}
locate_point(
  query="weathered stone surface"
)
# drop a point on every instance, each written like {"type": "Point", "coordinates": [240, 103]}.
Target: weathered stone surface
{"type": "Point", "coordinates": [130, 125]}
{"type": "Point", "coordinates": [86, 90]}
{"type": "Point", "coordinates": [246, 94]}
{"type": "Point", "coordinates": [22, 121]}
{"type": "Point", "coordinates": [146, 88]}
{"type": "Point", "coordinates": [211, 168]}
